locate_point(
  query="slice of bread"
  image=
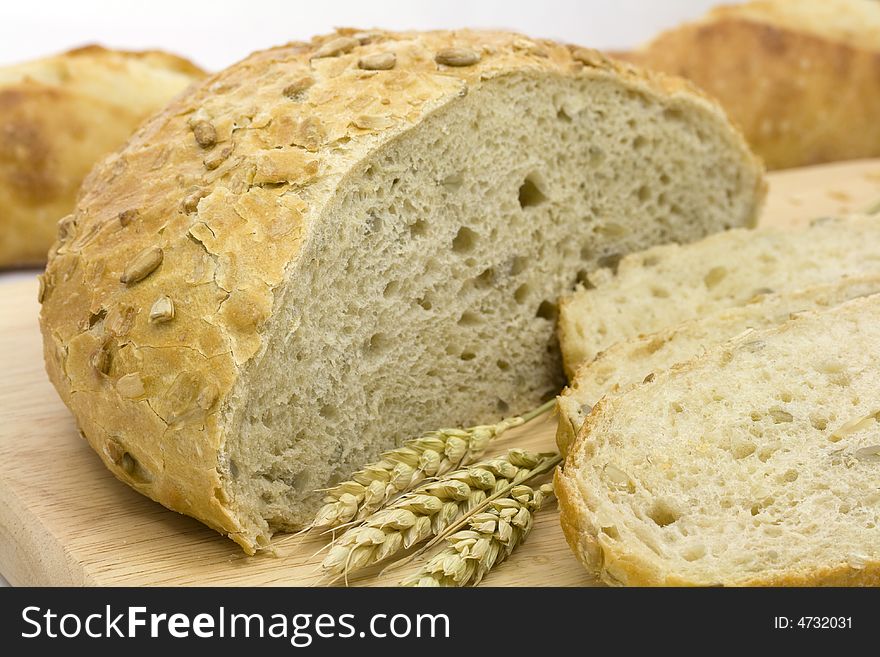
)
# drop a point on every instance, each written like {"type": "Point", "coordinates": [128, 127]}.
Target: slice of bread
{"type": "Point", "coordinates": [334, 246]}
{"type": "Point", "coordinates": [632, 361]}
{"type": "Point", "coordinates": [669, 284]}
{"type": "Point", "coordinates": [799, 76]}
{"type": "Point", "coordinates": [755, 464]}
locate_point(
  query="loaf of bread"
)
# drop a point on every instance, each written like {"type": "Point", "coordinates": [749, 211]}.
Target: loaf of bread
{"type": "Point", "coordinates": [630, 362]}
{"type": "Point", "coordinates": [672, 283]}
{"type": "Point", "coordinates": [754, 464]}
{"type": "Point", "coordinates": [58, 117]}
{"type": "Point", "coordinates": [333, 246]}
{"type": "Point", "coordinates": [799, 76]}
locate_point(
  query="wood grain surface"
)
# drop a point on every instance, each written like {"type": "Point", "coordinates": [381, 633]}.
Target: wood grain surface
{"type": "Point", "coordinates": [64, 520]}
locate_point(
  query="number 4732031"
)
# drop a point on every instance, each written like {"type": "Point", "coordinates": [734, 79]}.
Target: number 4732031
{"type": "Point", "coordinates": [813, 623]}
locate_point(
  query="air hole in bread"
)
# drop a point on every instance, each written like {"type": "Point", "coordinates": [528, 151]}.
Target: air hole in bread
{"type": "Point", "coordinates": [611, 229]}
{"type": "Point", "coordinates": [391, 288]}
{"type": "Point", "coordinates": [486, 279]}
{"type": "Point", "coordinates": [530, 194]}
{"type": "Point", "coordinates": [583, 278]}
{"type": "Point", "coordinates": [673, 114]}
{"type": "Point", "coordinates": [465, 240]}
{"type": "Point", "coordinates": [765, 453]}
{"type": "Point", "coordinates": [373, 224]}
{"type": "Point", "coordinates": [547, 310]}
{"type": "Point", "coordinates": [503, 406]}
{"type": "Point", "coordinates": [610, 261]}
{"type": "Point", "coordinates": [522, 293]}
{"type": "Point", "coordinates": [503, 365]}
{"type": "Point", "coordinates": [518, 265]}
{"type": "Point", "coordinates": [467, 355]}
{"type": "Point", "coordinates": [659, 293]}
{"type": "Point", "coordinates": [742, 448]}
{"type": "Point", "coordinates": [453, 182]}
{"type": "Point", "coordinates": [419, 228]}
{"type": "Point", "coordinates": [379, 343]}
{"type": "Point", "coordinates": [586, 252]}
{"type": "Point", "coordinates": [714, 276]}
{"type": "Point", "coordinates": [611, 532]}
{"type": "Point", "coordinates": [470, 318]}
{"type": "Point", "coordinates": [328, 411]}
{"type": "Point", "coordinates": [639, 142]}
{"type": "Point", "coordinates": [643, 194]}
{"type": "Point", "coordinates": [663, 514]}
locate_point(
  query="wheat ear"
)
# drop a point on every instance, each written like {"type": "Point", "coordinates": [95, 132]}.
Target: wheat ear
{"type": "Point", "coordinates": [429, 510]}
{"type": "Point", "coordinates": [491, 536]}
{"type": "Point", "coordinates": [433, 454]}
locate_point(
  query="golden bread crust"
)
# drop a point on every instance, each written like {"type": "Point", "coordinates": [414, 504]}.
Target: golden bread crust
{"type": "Point", "coordinates": [804, 90]}
{"type": "Point", "coordinates": [58, 117]}
{"type": "Point", "coordinates": [210, 204]}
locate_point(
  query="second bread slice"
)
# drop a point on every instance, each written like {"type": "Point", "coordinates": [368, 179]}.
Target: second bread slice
{"type": "Point", "coordinates": [669, 284]}
{"type": "Point", "coordinates": [630, 362]}
{"type": "Point", "coordinates": [755, 464]}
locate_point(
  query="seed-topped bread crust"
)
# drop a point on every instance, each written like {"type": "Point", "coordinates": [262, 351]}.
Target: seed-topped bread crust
{"type": "Point", "coordinates": [162, 284]}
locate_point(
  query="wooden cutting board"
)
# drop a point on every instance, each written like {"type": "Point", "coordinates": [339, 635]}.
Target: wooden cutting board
{"type": "Point", "coordinates": [64, 520]}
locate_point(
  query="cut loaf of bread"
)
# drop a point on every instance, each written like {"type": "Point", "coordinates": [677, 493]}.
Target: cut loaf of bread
{"type": "Point", "coordinates": [799, 76]}
{"type": "Point", "coordinates": [61, 115]}
{"type": "Point", "coordinates": [333, 246]}
{"type": "Point", "coordinates": [754, 464]}
{"type": "Point", "coordinates": [630, 362]}
{"type": "Point", "coordinates": [668, 284]}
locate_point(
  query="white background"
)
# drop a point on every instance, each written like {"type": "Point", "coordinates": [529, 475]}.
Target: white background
{"type": "Point", "coordinates": [216, 33]}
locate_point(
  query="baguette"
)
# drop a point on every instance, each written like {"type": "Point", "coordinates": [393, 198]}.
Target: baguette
{"type": "Point", "coordinates": [799, 76]}
{"type": "Point", "coordinates": [58, 117]}
{"type": "Point", "coordinates": [754, 464]}
{"type": "Point", "coordinates": [334, 246]}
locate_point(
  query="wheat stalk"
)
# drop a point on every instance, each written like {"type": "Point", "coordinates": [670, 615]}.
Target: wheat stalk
{"type": "Point", "coordinates": [490, 538]}
{"type": "Point", "coordinates": [433, 454]}
{"type": "Point", "coordinates": [429, 510]}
